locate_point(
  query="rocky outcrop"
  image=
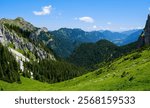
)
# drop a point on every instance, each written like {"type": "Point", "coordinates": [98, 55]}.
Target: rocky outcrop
{"type": "Point", "coordinates": [20, 58]}
{"type": "Point", "coordinates": [147, 31]}
{"type": "Point", "coordinates": [1, 35]}
{"type": "Point", "coordinates": [29, 46]}
{"type": "Point", "coordinates": [24, 48]}
{"type": "Point", "coordinates": [144, 39]}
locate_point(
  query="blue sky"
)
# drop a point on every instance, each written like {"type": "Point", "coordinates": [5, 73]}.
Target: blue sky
{"type": "Point", "coordinates": [115, 15]}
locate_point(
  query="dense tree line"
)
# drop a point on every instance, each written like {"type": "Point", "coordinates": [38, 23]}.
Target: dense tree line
{"type": "Point", "coordinates": [9, 69]}
{"type": "Point", "coordinates": [18, 30]}
{"type": "Point", "coordinates": [53, 71]}
{"type": "Point", "coordinates": [44, 70]}
{"type": "Point", "coordinates": [89, 54]}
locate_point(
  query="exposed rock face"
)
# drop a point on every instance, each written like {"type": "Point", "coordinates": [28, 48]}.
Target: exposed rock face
{"type": "Point", "coordinates": [147, 31]}
{"type": "Point", "coordinates": [144, 39]}
{"type": "Point", "coordinates": [44, 29]}
{"type": "Point", "coordinates": [28, 47]}
{"type": "Point", "coordinates": [13, 39]}
{"type": "Point", "coordinates": [1, 35]}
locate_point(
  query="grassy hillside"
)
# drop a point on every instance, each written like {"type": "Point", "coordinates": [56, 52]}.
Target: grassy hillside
{"type": "Point", "coordinates": [129, 72]}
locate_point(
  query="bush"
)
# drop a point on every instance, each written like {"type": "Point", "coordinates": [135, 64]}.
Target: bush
{"type": "Point", "coordinates": [124, 74]}
{"type": "Point", "coordinates": [135, 56]}
{"type": "Point", "coordinates": [131, 78]}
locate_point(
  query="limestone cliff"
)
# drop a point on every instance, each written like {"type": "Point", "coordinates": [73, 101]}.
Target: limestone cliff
{"type": "Point", "coordinates": [144, 39]}
{"type": "Point", "coordinates": [22, 38]}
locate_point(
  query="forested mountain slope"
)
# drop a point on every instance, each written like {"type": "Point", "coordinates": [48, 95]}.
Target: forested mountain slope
{"type": "Point", "coordinates": [130, 72]}
{"type": "Point", "coordinates": [89, 54]}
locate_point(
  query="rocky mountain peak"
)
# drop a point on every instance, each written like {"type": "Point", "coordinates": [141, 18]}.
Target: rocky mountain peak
{"type": "Point", "coordinates": [19, 19]}
{"type": "Point", "coordinates": [44, 29]}
{"type": "Point", "coordinates": [147, 27]}
{"type": "Point", "coordinates": [144, 39]}
{"type": "Point", "coordinates": [22, 36]}
{"type": "Point", "coordinates": [19, 22]}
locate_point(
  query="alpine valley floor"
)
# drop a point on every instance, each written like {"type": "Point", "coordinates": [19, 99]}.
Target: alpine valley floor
{"type": "Point", "coordinates": [129, 73]}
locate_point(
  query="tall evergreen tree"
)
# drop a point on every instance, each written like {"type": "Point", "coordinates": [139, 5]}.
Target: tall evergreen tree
{"type": "Point", "coordinates": [9, 69]}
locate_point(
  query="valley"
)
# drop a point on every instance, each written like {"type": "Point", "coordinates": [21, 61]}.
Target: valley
{"type": "Point", "coordinates": [127, 73]}
{"type": "Point", "coordinates": [67, 59]}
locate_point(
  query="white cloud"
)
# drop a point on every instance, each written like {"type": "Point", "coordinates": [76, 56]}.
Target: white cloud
{"type": "Point", "coordinates": [94, 27]}
{"type": "Point", "coordinates": [87, 19]}
{"type": "Point", "coordinates": [109, 23]}
{"type": "Point", "coordinates": [149, 8]}
{"type": "Point", "coordinates": [45, 11]}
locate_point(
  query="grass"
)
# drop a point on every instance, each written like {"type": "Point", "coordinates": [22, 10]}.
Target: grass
{"type": "Point", "coordinates": [130, 73]}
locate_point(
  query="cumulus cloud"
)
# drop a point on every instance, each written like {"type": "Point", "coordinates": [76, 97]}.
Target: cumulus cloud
{"type": "Point", "coordinates": [87, 19]}
{"type": "Point", "coordinates": [45, 11]}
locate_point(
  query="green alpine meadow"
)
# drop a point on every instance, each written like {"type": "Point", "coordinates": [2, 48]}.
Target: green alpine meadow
{"type": "Point", "coordinates": [67, 49]}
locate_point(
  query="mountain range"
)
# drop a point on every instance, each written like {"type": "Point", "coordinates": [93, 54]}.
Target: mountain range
{"type": "Point", "coordinates": [65, 40]}
{"type": "Point", "coordinates": [54, 56]}
{"type": "Point", "coordinates": [28, 44]}
{"type": "Point", "coordinates": [69, 39]}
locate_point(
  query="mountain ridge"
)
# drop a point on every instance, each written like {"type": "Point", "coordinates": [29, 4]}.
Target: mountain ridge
{"type": "Point", "coordinates": [75, 37]}
{"type": "Point", "coordinates": [43, 66]}
{"type": "Point", "coordinates": [28, 45]}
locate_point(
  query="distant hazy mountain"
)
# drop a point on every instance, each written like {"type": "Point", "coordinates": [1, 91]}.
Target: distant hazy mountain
{"type": "Point", "coordinates": [122, 38]}
{"type": "Point", "coordinates": [66, 40]}
{"type": "Point", "coordinates": [62, 41]}
{"type": "Point", "coordinates": [132, 37]}
{"type": "Point", "coordinates": [89, 54]}
{"type": "Point", "coordinates": [114, 35]}
{"type": "Point", "coordinates": [129, 32]}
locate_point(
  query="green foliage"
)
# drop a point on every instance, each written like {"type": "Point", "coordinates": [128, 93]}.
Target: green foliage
{"type": "Point", "coordinates": [37, 40]}
{"type": "Point", "coordinates": [8, 66]}
{"type": "Point", "coordinates": [18, 30]}
{"type": "Point", "coordinates": [54, 71]}
{"type": "Point", "coordinates": [124, 74]}
{"type": "Point", "coordinates": [26, 73]}
{"type": "Point", "coordinates": [135, 56]}
{"type": "Point", "coordinates": [11, 45]}
{"type": "Point", "coordinates": [66, 40]}
{"type": "Point", "coordinates": [89, 54]}
{"type": "Point", "coordinates": [128, 75]}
